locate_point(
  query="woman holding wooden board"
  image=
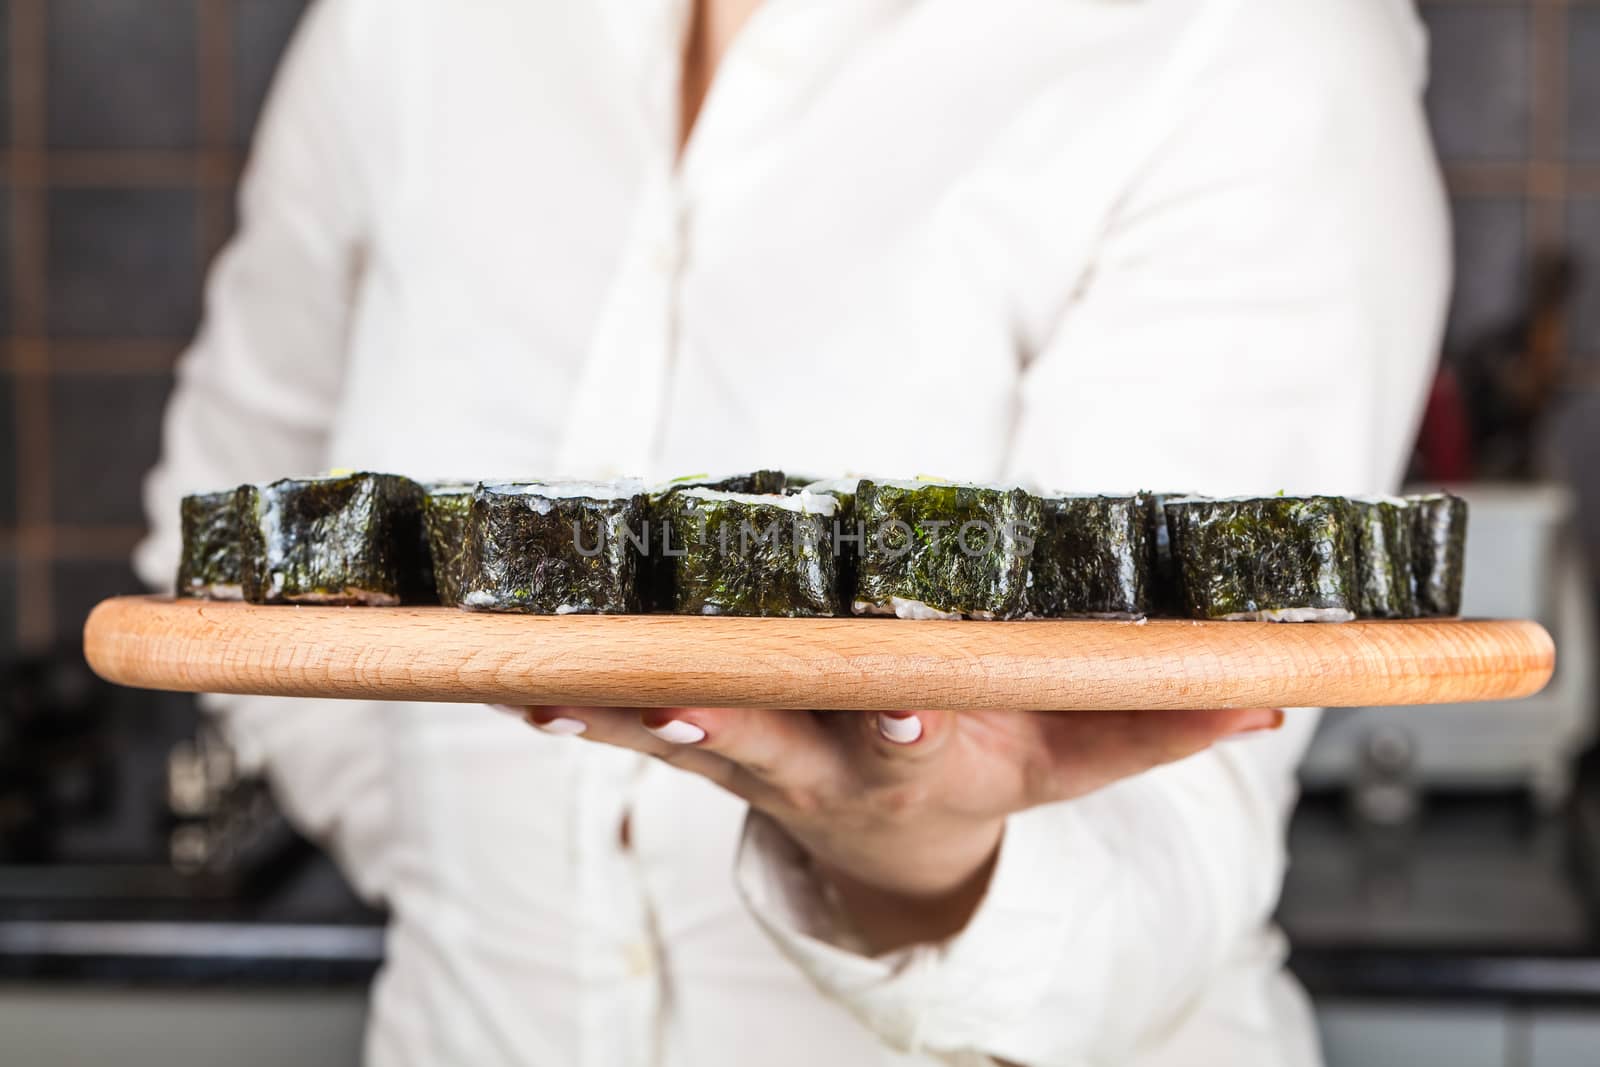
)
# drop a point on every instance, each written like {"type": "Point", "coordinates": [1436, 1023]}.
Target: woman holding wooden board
{"type": "Point", "coordinates": [1079, 244]}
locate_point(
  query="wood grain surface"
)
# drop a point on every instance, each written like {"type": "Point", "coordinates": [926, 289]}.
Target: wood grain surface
{"type": "Point", "coordinates": [442, 654]}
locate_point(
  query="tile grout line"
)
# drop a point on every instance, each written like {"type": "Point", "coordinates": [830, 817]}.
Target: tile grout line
{"type": "Point", "coordinates": [87, 544]}
{"type": "Point", "coordinates": [122, 169]}
{"type": "Point", "coordinates": [213, 83]}
{"type": "Point", "coordinates": [29, 45]}
{"type": "Point", "coordinates": [94, 357]}
{"type": "Point", "coordinates": [1548, 185]}
{"type": "Point", "coordinates": [1503, 178]}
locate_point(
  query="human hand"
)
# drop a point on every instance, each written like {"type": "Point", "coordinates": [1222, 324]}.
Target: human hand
{"type": "Point", "coordinates": [903, 811]}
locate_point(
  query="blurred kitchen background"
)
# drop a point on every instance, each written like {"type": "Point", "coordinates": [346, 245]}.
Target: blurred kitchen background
{"type": "Point", "coordinates": [1444, 899]}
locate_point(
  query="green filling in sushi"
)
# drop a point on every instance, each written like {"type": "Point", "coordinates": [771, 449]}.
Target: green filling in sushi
{"type": "Point", "coordinates": [1384, 542]}
{"type": "Point", "coordinates": [762, 482]}
{"type": "Point", "coordinates": [554, 548]}
{"type": "Point", "coordinates": [744, 554]}
{"type": "Point", "coordinates": [938, 550]}
{"type": "Point", "coordinates": [209, 566]}
{"type": "Point", "coordinates": [1277, 559]}
{"type": "Point", "coordinates": [1091, 560]}
{"type": "Point", "coordinates": [1439, 528]}
{"type": "Point", "coordinates": [444, 520]}
{"type": "Point", "coordinates": [345, 539]}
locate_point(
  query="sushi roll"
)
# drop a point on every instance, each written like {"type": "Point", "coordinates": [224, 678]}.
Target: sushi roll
{"type": "Point", "coordinates": [209, 566]}
{"type": "Point", "coordinates": [1384, 542]}
{"type": "Point", "coordinates": [1092, 559]}
{"type": "Point", "coordinates": [939, 550]}
{"type": "Point", "coordinates": [845, 531]}
{"type": "Point", "coordinates": [1273, 559]}
{"type": "Point", "coordinates": [793, 483]}
{"type": "Point", "coordinates": [554, 548]}
{"type": "Point", "coordinates": [1439, 529]}
{"type": "Point", "coordinates": [1165, 593]}
{"type": "Point", "coordinates": [655, 565]}
{"type": "Point", "coordinates": [749, 554]}
{"type": "Point", "coordinates": [445, 507]}
{"type": "Point", "coordinates": [340, 539]}
{"type": "Point", "coordinates": [760, 482]}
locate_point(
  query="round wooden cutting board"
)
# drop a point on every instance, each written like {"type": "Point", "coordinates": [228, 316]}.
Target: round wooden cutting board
{"type": "Point", "coordinates": [442, 654]}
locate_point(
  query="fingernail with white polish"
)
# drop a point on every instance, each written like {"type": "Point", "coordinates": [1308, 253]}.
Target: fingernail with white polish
{"type": "Point", "coordinates": [563, 727]}
{"type": "Point", "coordinates": [902, 730]}
{"type": "Point", "coordinates": [509, 709]}
{"type": "Point", "coordinates": [678, 732]}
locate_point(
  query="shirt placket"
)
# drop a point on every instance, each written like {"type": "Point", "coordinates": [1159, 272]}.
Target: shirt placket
{"type": "Point", "coordinates": [619, 994]}
{"type": "Point", "coordinates": [623, 402]}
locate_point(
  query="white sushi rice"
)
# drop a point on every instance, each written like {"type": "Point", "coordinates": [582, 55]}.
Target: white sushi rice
{"type": "Point", "coordinates": [565, 490]}
{"type": "Point", "coordinates": [906, 608]}
{"type": "Point", "coordinates": [346, 596]}
{"type": "Point", "coordinates": [542, 495]}
{"type": "Point", "coordinates": [1292, 615]}
{"type": "Point", "coordinates": [834, 485]}
{"type": "Point", "coordinates": [934, 483]}
{"type": "Point", "coordinates": [804, 502]}
{"type": "Point", "coordinates": [480, 600]}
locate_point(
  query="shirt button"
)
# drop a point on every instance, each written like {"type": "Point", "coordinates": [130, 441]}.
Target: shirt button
{"type": "Point", "coordinates": [665, 258]}
{"type": "Point", "coordinates": [640, 957]}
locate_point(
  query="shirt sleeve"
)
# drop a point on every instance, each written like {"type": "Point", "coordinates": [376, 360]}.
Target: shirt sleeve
{"type": "Point", "coordinates": [259, 387]}
{"type": "Point", "coordinates": [1262, 314]}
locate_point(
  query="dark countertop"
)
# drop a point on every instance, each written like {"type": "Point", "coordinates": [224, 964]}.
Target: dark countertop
{"type": "Point", "coordinates": [307, 929]}
{"type": "Point", "coordinates": [1481, 899]}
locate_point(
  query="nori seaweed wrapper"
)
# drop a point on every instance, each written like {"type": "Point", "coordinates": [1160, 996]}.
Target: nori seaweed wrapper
{"type": "Point", "coordinates": [1091, 559]}
{"type": "Point", "coordinates": [742, 554]}
{"type": "Point", "coordinates": [345, 539]}
{"type": "Point", "coordinates": [937, 550]}
{"type": "Point", "coordinates": [445, 508]}
{"type": "Point", "coordinates": [793, 483]}
{"type": "Point", "coordinates": [1165, 594]}
{"type": "Point", "coordinates": [1384, 557]}
{"type": "Point", "coordinates": [554, 549]}
{"type": "Point", "coordinates": [655, 566]}
{"type": "Point", "coordinates": [845, 531]}
{"type": "Point", "coordinates": [1281, 559]}
{"type": "Point", "coordinates": [209, 566]}
{"type": "Point", "coordinates": [757, 483]}
{"type": "Point", "coordinates": [1439, 529]}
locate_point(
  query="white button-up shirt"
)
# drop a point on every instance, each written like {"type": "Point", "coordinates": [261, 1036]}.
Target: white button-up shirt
{"type": "Point", "coordinates": [1091, 244]}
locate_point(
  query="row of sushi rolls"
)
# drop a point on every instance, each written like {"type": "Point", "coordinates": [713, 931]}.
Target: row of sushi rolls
{"type": "Point", "coordinates": [770, 544]}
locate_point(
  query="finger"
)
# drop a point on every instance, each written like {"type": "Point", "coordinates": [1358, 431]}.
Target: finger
{"type": "Point", "coordinates": [1169, 735]}
{"type": "Point", "coordinates": [1091, 749]}
{"type": "Point", "coordinates": [621, 728]}
{"type": "Point", "coordinates": [786, 748]}
{"type": "Point", "coordinates": [893, 744]}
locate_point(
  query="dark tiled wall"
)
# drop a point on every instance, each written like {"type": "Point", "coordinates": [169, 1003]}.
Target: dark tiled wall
{"type": "Point", "coordinates": [122, 124]}
{"type": "Point", "coordinates": [122, 128]}
{"type": "Point", "coordinates": [1515, 103]}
